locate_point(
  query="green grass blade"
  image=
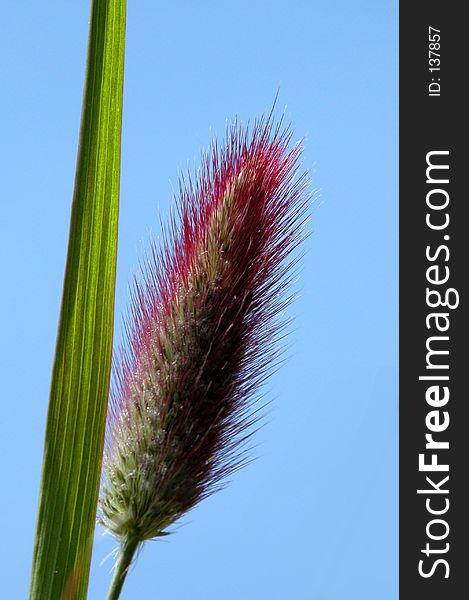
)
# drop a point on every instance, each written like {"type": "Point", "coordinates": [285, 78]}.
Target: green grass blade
{"type": "Point", "coordinates": [81, 372]}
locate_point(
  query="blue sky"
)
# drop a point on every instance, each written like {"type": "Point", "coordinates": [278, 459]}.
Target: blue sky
{"type": "Point", "coordinates": [315, 517]}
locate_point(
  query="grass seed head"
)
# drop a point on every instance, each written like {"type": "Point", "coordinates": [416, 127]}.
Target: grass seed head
{"type": "Point", "coordinates": [201, 332]}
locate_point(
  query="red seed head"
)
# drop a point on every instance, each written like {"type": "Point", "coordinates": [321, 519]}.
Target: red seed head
{"type": "Point", "coordinates": [202, 332]}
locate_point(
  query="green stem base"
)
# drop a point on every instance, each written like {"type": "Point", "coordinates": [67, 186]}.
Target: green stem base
{"type": "Point", "coordinates": [122, 567]}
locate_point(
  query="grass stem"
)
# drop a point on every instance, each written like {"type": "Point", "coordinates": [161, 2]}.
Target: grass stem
{"type": "Point", "coordinates": [124, 561]}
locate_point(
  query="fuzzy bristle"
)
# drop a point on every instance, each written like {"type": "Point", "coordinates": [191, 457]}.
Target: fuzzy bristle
{"type": "Point", "coordinates": [202, 332]}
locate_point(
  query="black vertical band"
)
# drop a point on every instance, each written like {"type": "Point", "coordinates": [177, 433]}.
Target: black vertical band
{"type": "Point", "coordinates": [434, 336]}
